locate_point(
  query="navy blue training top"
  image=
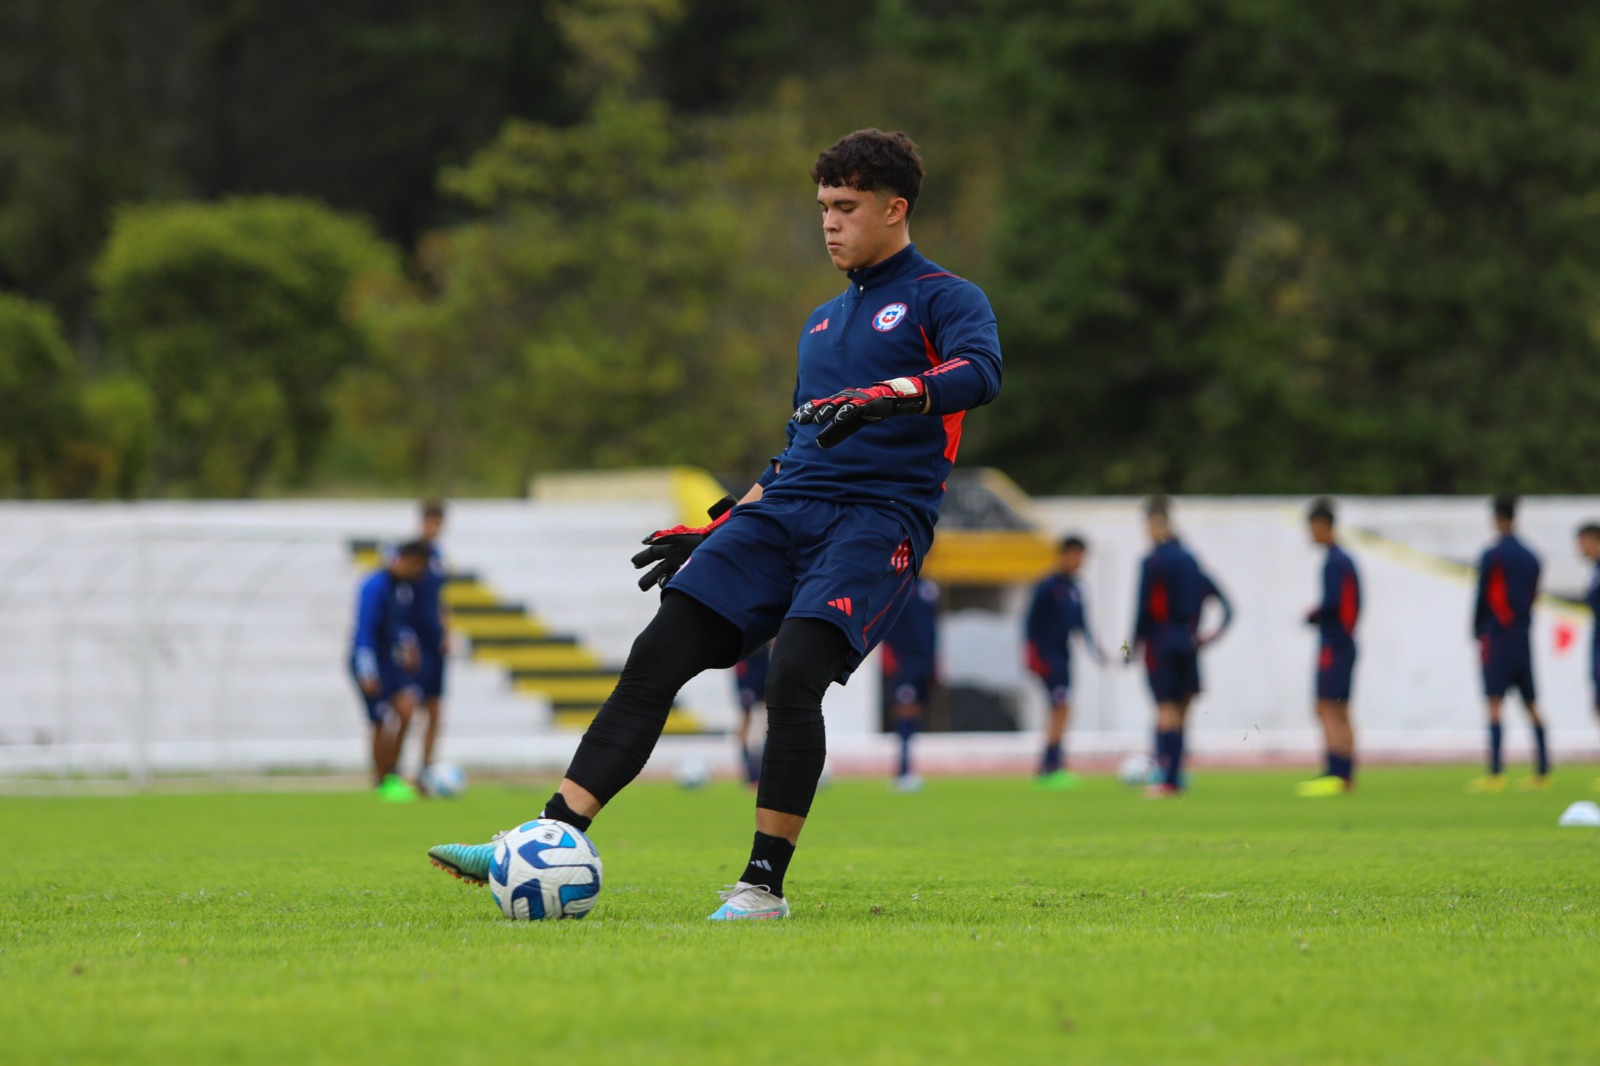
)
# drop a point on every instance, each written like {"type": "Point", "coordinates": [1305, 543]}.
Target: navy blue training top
{"type": "Point", "coordinates": [1172, 592]}
{"type": "Point", "coordinates": [1054, 613]}
{"type": "Point", "coordinates": [1335, 617]}
{"type": "Point", "coordinates": [1592, 598]}
{"type": "Point", "coordinates": [383, 622]}
{"type": "Point", "coordinates": [903, 317]}
{"type": "Point", "coordinates": [425, 603]}
{"type": "Point", "coordinates": [911, 647]}
{"type": "Point", "coordinates": [1508, 583]}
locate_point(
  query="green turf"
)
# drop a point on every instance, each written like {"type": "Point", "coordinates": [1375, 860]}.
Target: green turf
{"type": "Point", "coordinates": [977, 922]}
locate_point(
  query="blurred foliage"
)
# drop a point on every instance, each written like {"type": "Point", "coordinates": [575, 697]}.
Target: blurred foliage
{"type": "Point", "coordinates": [1282, 247]}
{"type": "Point", "coordinates": [1234, 245]}
{"type": "Point", "coordinates": [232, 316]}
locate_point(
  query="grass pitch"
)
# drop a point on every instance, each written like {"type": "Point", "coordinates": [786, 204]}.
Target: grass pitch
{"type": "Point", "coordinates": [977, 922]}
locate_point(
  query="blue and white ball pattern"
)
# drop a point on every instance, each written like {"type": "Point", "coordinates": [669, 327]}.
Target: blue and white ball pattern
{"type": "Point", "coordinates": [444, 779]}
{"type": "Point", "coordinates": [545, 869]}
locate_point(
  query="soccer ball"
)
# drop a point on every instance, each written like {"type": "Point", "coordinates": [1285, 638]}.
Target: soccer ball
{"type": "Point", "coordinates": [444, 779]}
{"type": "Point", "coordinates": [1137, 769]}
{"type": "Point", "coordinates": [692, 772]}
{"type": "Point", "coordinates": [544, 869]}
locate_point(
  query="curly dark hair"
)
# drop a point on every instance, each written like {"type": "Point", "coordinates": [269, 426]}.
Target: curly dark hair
{"type": "Point", "coordinates": [870, 160]}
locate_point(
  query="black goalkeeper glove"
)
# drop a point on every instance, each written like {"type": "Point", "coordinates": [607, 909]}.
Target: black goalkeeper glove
{"type": "Point", "coordinates": [669, 548]}
{"type": "Point", "coordinates": [848, 410]}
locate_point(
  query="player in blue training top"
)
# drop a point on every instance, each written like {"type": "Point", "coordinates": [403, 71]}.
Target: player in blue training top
{"type": "Point", "coordinates": [910, 653]}
{"type": "Point", "coordinates": [1335, 618]}
{"type": "Point", "coordinates": [1054, 614]}
{"type": "Point", "coordinates": [384, 657]}
{"type": "Point", "coordinates": [1589, 548]}
{"type": "Point", "coordinates": [1502, 615]}
{"type": "Point", "coordinates": [431, 622]}
{"type": "Point", "coordinates": [1173, 591]}
{"type": "Point", "coordinates": [823, 551]}
{"type": "Point", "coordinates": [750, 685]}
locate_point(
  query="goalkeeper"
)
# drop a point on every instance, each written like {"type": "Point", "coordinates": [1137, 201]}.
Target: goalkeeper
{"type": "Point", "coordinates": [823, 552]}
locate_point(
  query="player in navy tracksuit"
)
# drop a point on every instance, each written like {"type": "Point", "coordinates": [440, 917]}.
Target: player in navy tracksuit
{"type": "Point", "coordinates": [1172, 593]}
{"type": "Point", "coordinates": [823, 552]}
{"type": "Point", "coordinates": [430, 625]}
{"type": "Point", "coordinates": [910, 652]}
{"type": "Point", "coordinates": [1502, 614]}
{"type": "Point", "coordinates": [384, 659]}
{"type": "Point", "coordinates": [750, 684]}
{"type": "Point", "coordinates": [1056, 612]}
{"type": "Point", "coordinates": [1589, 548]}
{"type": "Point", "coordinates": [1335, 618]}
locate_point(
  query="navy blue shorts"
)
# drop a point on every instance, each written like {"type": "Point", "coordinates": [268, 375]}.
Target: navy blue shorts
{"type": "Point", "coordinates": [1336, 668]}
{"type": "Point", "coordinates": [848, 564]}
{"type": "Point", "coordinates": [908, 688]}
{"type": "Point", "coordinates": [1174, 673]}
{"type": "Point", "coordinates": [1056, 676]}
{"type": "Point", "coordinates": [430, 677]}
{"type": "Point", "coordinates": [392, 681]}
{"type": "Point", "coordinates": [1507, 665]}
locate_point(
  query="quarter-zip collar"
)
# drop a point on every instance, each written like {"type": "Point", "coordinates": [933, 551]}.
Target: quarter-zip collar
{"type": "Point", "coordinates": [881, 273]}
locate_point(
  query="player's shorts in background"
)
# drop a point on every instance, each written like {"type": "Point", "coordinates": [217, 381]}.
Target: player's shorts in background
{"type": "Point", "coordinates": [908, 688]}
{"type": "Point", "coordinates": [1336, 669]}
{"type": "Point", "coordinates": [430, 678]}
{"type": "Point", "coordinates": [848, 564]}
{"type": "Point", "coordinates": [392, 681]}
{"type": "Point", "coordinates": [1056, 676]}
{"type": "Point", "coordinates": [1507, 665]}
{"type": "Point", "coordinates": [1173, 671]}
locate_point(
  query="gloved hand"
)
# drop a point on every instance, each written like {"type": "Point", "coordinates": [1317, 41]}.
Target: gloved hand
{"type": "Point", "coordinates": [848, 410]}
{"type": "Point", "coordinates": [670, 548]}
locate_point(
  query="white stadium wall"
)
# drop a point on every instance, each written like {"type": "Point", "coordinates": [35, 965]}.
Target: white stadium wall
{"type": "Point", "coordinates": [211, 637]}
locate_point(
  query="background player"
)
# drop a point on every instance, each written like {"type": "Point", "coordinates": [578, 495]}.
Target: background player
{"type": "Point", "coordinates": [750, 684]}
{"type": "Point", "coordinates": [431, 622]}
{"type": "Point", "coordinates": [384, 657]}
{"type": "Point", "coordinates": [1502, 614]}
{"type": "Point", "coordinates": [1335, 619]}
{"type": "Point", "coordinates": [1054, 614]}
{"type": "Point", "coordinates": [1589, 548]}
{"type": "Point", "coordinates": [910, 661]}
{"type": "Point", "coordinates": [1172, 594]}
{"type": "Point", "coordinates": [822, 553]}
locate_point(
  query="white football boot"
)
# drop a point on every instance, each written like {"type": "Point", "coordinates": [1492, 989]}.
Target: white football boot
{"type": "Point", "coordinates": [747, 902]}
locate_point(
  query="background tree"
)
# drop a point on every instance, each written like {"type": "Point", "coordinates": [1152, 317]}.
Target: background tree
{"type": "Point", "coordinates": [233, 316]}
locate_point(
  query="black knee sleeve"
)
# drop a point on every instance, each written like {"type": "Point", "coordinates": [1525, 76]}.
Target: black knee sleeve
{"type": "Point", "coordinates": [684, 638]}
{"type": "Point", "coordinates": [806, 657]}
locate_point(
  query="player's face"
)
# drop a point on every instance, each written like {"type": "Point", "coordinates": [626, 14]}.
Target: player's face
{"type": "Point", "coordinates": [431, 526]}
{"type": "Point", "coordinates": [1589, 546]}
{"type": "Point", "coordinates": [1157, 526]}
{"type": "Point", "coordinates": [1071, 561]}
{"type": "Point", "coordinates": [860, 228]}
{"type": "Point", "coordinates": [1321, 532]}
{"type": "Point", "coordinates": [409, 567]}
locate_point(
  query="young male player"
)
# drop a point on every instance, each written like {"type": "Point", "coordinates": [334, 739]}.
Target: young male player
{"type": "Point", "coordinates": [910, 655]}
{"type": "Point", "coordinates": [1173, 591]}
{"type": "Point", "coordinates": [384, 657]}
{"type": "Point", "coordinates": [1335, 619]}
{"type": "Point", "coordinates": [1589, 548]}
{"type": "Point", "coordinates": [1054, 614]}
{"type": "Point", "coordinates": [1502, 614]}
{"type": "Point", "coordinates": [431, 622]}
{"type": "Point", "coordinates": [823, 552]}
{"type": "Point", "coordinates": [750, 684]}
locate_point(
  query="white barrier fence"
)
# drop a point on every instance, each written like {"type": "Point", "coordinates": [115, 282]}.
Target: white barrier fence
{"type": "Point", "coordinates": [211, 638]}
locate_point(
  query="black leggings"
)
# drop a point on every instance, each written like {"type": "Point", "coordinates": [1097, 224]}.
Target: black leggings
{"type": "Point", "coordinates": [685, 638]}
